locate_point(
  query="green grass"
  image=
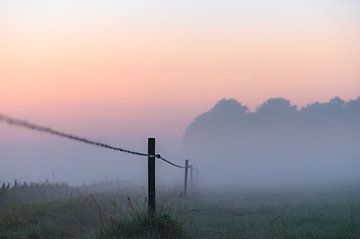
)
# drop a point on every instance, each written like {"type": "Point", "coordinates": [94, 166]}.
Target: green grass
{"type": "Point", "coordinates": [283, 215]}
{"type": "Point", "coordinates": [142, 225]}
{"type": "Point", "coordinates": [59, 213]}
{"type": "Point", "coordinates": [57, 219]}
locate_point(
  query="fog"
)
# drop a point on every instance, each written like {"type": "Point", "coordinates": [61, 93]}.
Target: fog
{"type": "Point", "coordinates": [277, 145]}
{"type": "Point", "coordinates": [32, 156]}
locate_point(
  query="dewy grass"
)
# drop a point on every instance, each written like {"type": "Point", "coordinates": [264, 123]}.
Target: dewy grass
{"type": "Point", "coordinates": [50, 211]}
{"type": "Point", "coordinates": [143, 225]}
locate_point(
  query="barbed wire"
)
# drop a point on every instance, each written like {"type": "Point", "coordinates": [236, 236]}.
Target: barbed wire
{"type": "Point", "coordinates": [169, 162]}
{"type": "Point", "coordinates": [31, 126]}
{"type": "Point", "coordinates": [21, 123]}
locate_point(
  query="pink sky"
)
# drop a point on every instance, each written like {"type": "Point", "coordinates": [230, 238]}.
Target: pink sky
{"type": "Point", "coordinates": [149, 70]}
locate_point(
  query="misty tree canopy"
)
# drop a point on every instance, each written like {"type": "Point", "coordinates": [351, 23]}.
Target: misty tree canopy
{"type": "Point", "coordinates": [279, 135]}
{"type": "Point", "coordinates": [229, 115]}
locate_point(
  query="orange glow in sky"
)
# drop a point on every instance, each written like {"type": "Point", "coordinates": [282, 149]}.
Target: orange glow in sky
{"type": "Point", "coordinates": [157, 67]}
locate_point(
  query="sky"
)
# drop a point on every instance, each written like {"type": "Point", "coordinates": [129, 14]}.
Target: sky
{"type": "Point", "coordinates": [132, 69]}
{"type": "Point", "coordinates": [164, 62]}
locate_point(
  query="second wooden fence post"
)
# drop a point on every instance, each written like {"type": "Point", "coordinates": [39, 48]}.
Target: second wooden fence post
{"type": "Point", "coordinates": [191, 179]}
{"type": "Point", "coordinates": [151, 176]}
{"type": "Point", "coordinates": [186, 177]}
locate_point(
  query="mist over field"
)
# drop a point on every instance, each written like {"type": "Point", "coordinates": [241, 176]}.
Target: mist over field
{"type": "Point", "coordinates": [277, 145]}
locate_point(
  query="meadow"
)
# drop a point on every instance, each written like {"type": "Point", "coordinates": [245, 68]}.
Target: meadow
{"type": "Point", "coordinates": [112, 210]}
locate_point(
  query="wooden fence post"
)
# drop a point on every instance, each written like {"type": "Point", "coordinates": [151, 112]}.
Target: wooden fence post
{"type": "Point", "coordinates": [151, 176]}
{"type": "Point", "coordinates": [191, 179]}
{"type": "Point", "coordinates": [186, 177]}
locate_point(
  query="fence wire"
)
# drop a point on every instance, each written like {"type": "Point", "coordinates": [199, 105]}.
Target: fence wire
{"type": "Point", "coordinates": [35, 127]}
{"type": "Point", "coordinates": [169, 162]}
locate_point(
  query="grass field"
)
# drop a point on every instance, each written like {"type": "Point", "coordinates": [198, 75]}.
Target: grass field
{"type": "Point", "coordinates": [108, 210]}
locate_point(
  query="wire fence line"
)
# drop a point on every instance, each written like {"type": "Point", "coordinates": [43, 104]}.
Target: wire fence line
{"type": "Point", "coordinates": [169, 162]}
{"type": "Point", "coordinates": [35, 127]}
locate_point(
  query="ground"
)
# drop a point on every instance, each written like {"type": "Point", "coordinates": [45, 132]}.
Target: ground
{"type": "Point", "coordinates": [45, 210]}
